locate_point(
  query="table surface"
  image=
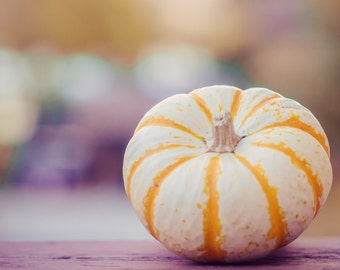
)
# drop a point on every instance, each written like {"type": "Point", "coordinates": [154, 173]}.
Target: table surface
{"type": "Point", "coordinates": [304, 253]}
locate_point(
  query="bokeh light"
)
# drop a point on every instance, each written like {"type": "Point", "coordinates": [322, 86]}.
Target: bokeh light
{"type": "Point", "coordinates": [76, 76]}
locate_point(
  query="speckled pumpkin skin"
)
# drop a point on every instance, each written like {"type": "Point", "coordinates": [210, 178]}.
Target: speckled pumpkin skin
{"type": "Point", "coordinates": [227, 207]}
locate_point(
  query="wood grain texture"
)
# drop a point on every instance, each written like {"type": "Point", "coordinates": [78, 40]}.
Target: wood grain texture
{"type": "Point", "coordinates": [304, 253]}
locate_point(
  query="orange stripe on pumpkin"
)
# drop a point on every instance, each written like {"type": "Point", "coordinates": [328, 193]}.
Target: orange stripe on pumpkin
{"type": "Point", "coordinates": [295, 122]}
{"type": "Point", "coordinates": [301, 164]}
{"type": "Point", "coordinates": [212, 227]}
{"type": "Point", "coordinates": [278, 227]}
{"type": "Point", "coordinates": [203, 106]}
{"type": "Point", "coordinates": [149, 199]}
{"type": "Point", "coordinates": [165, 122]}
{"type": "Point", "coordinates": [258, 106]}
{"type": "Point", "coordinates": [148, 153]}
{"type": "Point", "coordinates": [235, 105]}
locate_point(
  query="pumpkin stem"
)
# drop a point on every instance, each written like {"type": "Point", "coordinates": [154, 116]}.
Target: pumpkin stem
{"type": "Point", "coordinates": [224, 137]}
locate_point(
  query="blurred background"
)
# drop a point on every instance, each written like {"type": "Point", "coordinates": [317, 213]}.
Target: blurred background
{"type": "Point", "coordinates": [76, 76]}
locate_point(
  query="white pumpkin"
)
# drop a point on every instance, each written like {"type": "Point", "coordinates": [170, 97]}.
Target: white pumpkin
{"type": "Point", "coordinates": [225, 175]}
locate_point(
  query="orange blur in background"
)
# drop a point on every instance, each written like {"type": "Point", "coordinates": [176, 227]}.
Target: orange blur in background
{"type": "Point", "coordinates": [76, 76]}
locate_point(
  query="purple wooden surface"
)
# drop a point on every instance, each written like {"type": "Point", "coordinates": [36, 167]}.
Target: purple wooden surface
{"type": "Point", "coordinates": [304, 253]}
